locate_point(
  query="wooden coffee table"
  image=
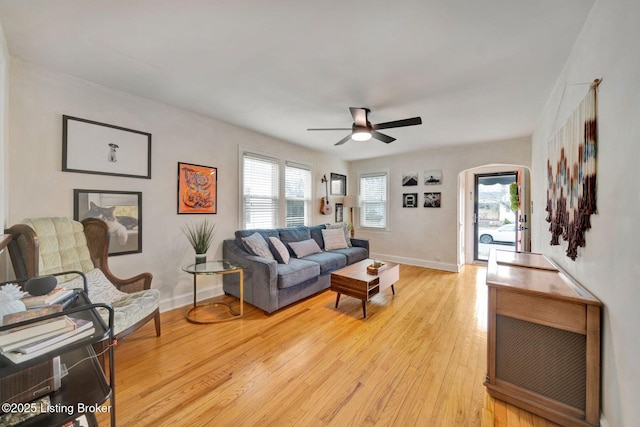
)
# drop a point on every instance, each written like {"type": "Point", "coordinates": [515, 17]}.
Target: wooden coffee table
{"type": "Point", "coordinates": [354, 281]}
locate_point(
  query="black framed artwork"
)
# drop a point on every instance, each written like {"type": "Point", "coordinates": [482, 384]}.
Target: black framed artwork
{"type": "Point", "coordinates": [104, 149]}
{"type": "Point", "coordinates": [120, 210]}
{"type": "Point", "coordinates": [338, 184]}
{"type": "Point", "coordinates": [432, 200]}
{"type": "Point", "coordinates": [339, 212]}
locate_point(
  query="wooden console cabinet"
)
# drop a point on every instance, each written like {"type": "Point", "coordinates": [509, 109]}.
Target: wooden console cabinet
{"type": "Point", "coordinates": [543, 339]}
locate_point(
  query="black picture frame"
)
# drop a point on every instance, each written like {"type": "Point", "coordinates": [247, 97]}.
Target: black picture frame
{"type": "Point", "coordinates": [120, 210]}
{"type": "Point", "coordinates": [104, 149]}
{"type": "Point", "coordinates": [410, 200]}
{"type": "Point", "coordinates": [197, 189]}
{"type": "Point", "coordinates": [339, 212]}
{"type": "Point", "coordinates": [432, 199]}
{"type": "Point", "coordinates": [338, 185]}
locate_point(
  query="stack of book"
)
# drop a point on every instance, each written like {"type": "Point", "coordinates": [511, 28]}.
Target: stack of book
{"type": "Point", "coordinates": [56, 296]}
{"type": "Point", "coordinates": [27, 342]}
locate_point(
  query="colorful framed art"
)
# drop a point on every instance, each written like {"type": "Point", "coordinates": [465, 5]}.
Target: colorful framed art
{"type": "Point", "coordinates": [197, 189]}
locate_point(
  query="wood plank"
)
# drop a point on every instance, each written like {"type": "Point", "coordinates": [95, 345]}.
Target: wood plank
{"type": "Point", "coordinates": [418, 359]}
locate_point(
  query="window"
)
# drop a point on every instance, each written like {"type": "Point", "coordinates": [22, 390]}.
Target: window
{"type": "Point", "coordinates": [297, 192]}
{"type": "Point", "coordinates": [260, 191]}
{"type": "Point", "coordinates": [373, 200]}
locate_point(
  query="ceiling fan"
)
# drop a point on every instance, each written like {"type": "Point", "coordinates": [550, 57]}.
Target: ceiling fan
{"type": "Point", "coordinates": [363, 130]}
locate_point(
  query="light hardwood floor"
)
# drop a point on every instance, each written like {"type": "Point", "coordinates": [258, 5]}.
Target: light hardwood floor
{"type": "Point", "coordinates": [419, 359]}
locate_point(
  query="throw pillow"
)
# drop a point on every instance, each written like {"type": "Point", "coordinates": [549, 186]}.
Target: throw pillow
{"type": "Point", "coordinates": [334, 239]}
{"type": "Point", "coordinates": [345, 228]}
{"type": "Point", "coordinates": [280, 251]}
{"type": "Point", "coordinates": [304, 248]}
{"type": "Point", "coordinates": [258, 245]}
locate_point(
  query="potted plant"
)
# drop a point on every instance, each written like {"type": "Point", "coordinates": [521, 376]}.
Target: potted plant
{"type": "Point", "coordinates": [200, 236]}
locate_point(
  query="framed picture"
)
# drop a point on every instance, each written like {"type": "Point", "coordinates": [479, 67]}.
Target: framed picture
{"type": "Point", "coordinates": [409, 179]}
{"type": "Point", "coordinates": [197, 189]}
{"type": "Point", "coordinates": [432, 200]}
{"type": "Point", "coordinates": [99, 148]}
{"type": "Point", "coordinates": [121, 210]}
{"type": "Point", "coordinates": [338, 184]}
{"type": "Point", "coordinates": [410, 200]}
{"type": "Point", "coordinates": [433, 177]}
{"type": "Point", "coordinates": [339, 212]}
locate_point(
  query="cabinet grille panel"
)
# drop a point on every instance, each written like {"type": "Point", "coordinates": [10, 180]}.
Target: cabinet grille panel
{"type": "Point", "coordinates": [542, 359]}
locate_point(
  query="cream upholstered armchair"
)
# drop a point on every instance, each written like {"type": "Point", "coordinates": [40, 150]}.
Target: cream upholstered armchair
{"type": "Point", "coordinates": [42, 246]}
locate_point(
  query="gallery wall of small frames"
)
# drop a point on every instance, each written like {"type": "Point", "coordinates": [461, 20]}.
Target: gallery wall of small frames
{"type": "Point", "coordinates": [430, 199]}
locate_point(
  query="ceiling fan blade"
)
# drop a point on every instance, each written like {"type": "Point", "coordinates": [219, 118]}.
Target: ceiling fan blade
{"type": "Point", "coordinates": [330, 129]}
{"type": "Point", "coordinates": [343, 140]}
{"type": "Point", "coordinates": [382, 137]}
{"type": "Point", "coordinates": [359, 116]}
{"type": "Point", "coordinates": [398, 123]}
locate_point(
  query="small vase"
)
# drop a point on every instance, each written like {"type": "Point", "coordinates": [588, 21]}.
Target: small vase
{"type": "Point", "coordinates": [201, 258]}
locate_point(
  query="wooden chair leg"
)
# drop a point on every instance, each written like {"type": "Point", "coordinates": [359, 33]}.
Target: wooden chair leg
{"type": "Point", "coordinates": [156, 320]}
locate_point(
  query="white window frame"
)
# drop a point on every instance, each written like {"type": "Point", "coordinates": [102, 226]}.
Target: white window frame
{"type": "Point", "coordinates": [362, 207]}
{"type": "Point", "coordinates": [281, 205]}
{"type": "Point", "coordinates": [276, 188]}
{"type": "Point", "coordinates": [307, 198]}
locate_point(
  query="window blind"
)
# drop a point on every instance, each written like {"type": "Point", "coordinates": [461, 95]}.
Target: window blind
{"type": "Point", "coordinates": [373, 200]}
{"type": "Point", "coordinates": [297, 189]}
{"type": "Point", "coordinates": [260, 191]}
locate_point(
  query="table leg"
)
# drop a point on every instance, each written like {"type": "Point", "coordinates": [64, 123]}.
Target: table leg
{"type": "Point", "coordinates": [393, 291]}
{"type": "Point", "coordinates": [241, 293]}
{"type": "Point", "coordinates": [364, 309]}
{"type": "Point", "coordinates": [337, 299]}
{"type": "Point", "coordinates": [194, 289]}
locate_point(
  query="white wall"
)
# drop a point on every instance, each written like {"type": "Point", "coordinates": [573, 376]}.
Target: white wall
{"type": "Point", "coordinates": [428, 236]}
{"type": "Point", "coordinates": [4, 128]}
{"type": "Point", "coordinates": [608, 266]}
{"type": "Point", "coordinates": [38, 187]}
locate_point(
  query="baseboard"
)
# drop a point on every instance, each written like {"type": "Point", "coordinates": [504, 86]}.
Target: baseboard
{"type": "Point", "coordinates": [187, 298]}
{"type": "Point", "coordinates": [436, 265]}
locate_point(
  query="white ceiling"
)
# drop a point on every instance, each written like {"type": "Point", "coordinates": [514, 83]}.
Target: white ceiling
{"type": "Point", "coordinates": [474, 70]}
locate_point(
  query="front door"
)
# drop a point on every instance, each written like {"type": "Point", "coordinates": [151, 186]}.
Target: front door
{"type": "Point", "coordinates": [495, 222]}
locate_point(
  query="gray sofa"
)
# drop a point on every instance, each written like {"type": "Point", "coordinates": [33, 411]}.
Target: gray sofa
{"type": "Point", "coordinates": [271, 285]}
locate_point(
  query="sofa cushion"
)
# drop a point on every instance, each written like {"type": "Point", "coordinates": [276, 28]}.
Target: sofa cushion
{"type": "Point", "coordinates": [316, 234]}
{"type": "Point", "coordinates": [280, 251]}
{"type": "Point", "coordinates": [345, 228]}
{"type": "Point", "coordinates": [304, 248]}
{"type": "Point", "coordinates": [328, 261]}
{"type": "Point", "coordinates": [258, 246]}
{"type": "Point", "coordinates": [334, 239]}
{"type": "Point", "coordinates": [296, 272]}
{"type": "Point", "coordinates": [294, 234]}
{"type": "Point", "coordinates": [353, 254]}
{"type": "Point", "coordinates": [264, 232]}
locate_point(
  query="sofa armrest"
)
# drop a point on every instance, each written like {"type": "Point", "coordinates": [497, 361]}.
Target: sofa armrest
{"type": "Point", "coordinates": [360, 243]}
{"type": "Point", "coordinates": [260, 277]}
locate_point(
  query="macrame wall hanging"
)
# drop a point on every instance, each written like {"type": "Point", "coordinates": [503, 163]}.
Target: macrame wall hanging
{"type": "Point", "coordinates": [571, 175]}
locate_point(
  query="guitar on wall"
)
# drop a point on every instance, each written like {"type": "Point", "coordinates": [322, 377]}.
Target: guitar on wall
{"type": "Point", "coordinates": [325, 209]}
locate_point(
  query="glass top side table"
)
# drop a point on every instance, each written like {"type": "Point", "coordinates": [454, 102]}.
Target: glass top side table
{"type": "Point", "coordinates": [208, 268]}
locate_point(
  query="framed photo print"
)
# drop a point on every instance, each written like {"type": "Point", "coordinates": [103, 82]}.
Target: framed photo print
{"type": "Point", "coordinates": [433, 177]}
{"type": "Point", "coordinates": [409, 179]}
{"type": "Point", "coordinates": [410, 200]}
{"type": "Point", "coordinates": [339, 212]}
{"type": "Point", "coordinates": [100, 148]}
{"type": "Point", "coordinates": [120, 210]}
{"type": "Point", "coordinates": [432, 200]}
{"type": "Point", "coordinates": [338, 184]}
{"type": "Point", "coordinates": [197, 189]}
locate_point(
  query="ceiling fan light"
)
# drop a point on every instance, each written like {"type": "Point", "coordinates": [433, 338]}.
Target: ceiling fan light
{"type": "Point", "coordinates": [361, 135]}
